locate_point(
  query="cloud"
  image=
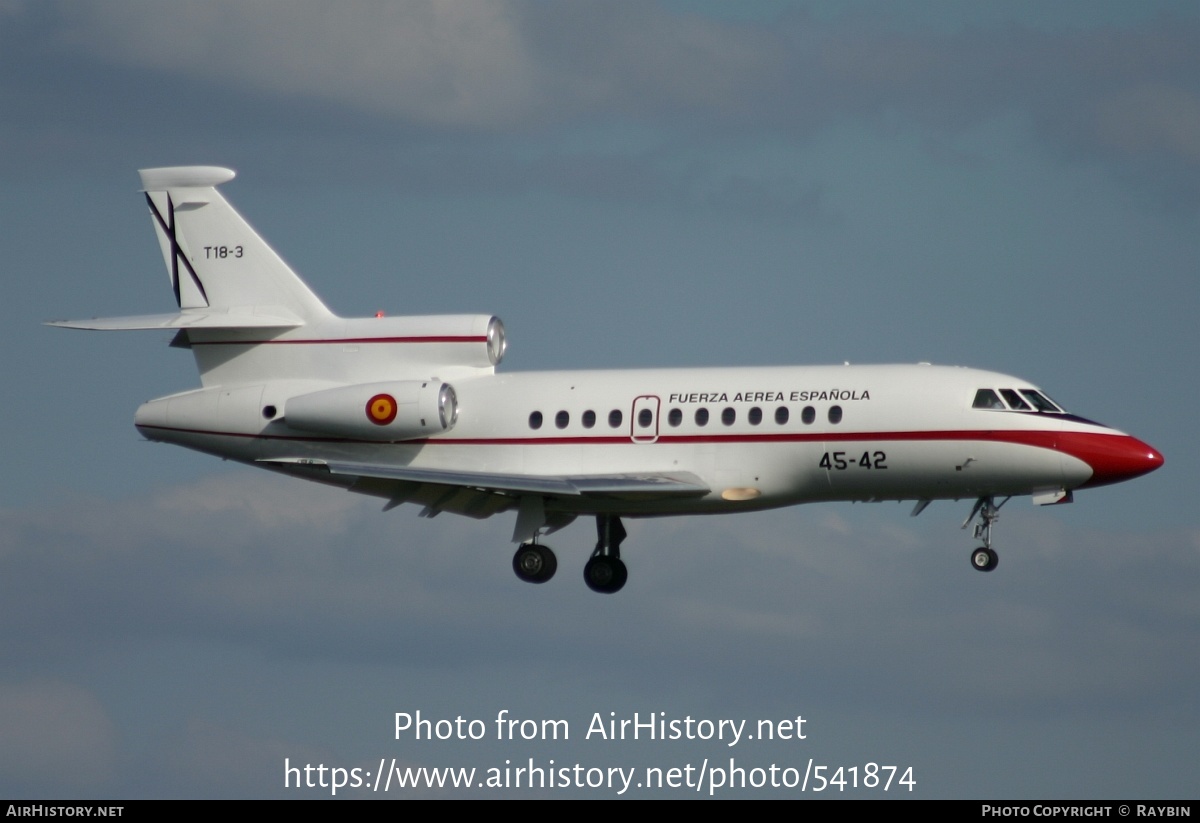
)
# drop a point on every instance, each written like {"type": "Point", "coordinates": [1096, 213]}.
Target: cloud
{"type": "Point", "coordinates": [55, 735]}
{"type": "Point", "coordinates": [1151, 118]}
{"type": "Point", "coordinates": [205, 754]}
{"type": "Point", "coordinates": [437, 62]}
{"type": "Point", "coordinates": [432, 68]}
{"type": "Point", "coordinates": [247, 595]}
{"type": "Point", "coordinates": [473, 65]}
{"type": "Point", "coordinates": [254, 560]}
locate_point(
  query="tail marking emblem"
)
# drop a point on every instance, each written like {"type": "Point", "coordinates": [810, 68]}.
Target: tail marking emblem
{"type": "Point", "coordinates": [177, 254]}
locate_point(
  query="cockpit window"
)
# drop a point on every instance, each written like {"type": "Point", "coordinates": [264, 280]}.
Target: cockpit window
{"type": "Point", "coordinates": [1040, 401]}
{"type": "Point", "coordinates": [1037, 401]}
{"type": "Point", "coordinates": [1015, 400]}
{"type": "Point", "coordinates": [987, 399]}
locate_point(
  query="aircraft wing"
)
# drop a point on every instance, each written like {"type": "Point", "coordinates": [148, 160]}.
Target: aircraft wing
{"type": "Point", "coordinates": [621, 486]}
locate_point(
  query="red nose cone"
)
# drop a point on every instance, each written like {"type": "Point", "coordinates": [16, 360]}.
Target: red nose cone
{"type": "Point", "coordinates": [1113, 457]}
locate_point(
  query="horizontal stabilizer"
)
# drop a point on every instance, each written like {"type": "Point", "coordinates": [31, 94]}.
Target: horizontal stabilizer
{"type": "Point", "coordinates": [185, 320]}
{"type": "Point", "coordinates": [190, 177]}
{"type": "Point", "coordinates": [641, 485]}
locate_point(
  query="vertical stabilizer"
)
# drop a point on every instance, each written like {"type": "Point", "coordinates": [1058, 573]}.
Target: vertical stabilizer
{"type": "Point", "coordinates": [250, 321]}
{"type": "Point", "coordinates": [217, 263]}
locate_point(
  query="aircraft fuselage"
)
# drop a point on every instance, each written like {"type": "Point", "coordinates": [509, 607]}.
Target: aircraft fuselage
{"type": "Point", "coordinates": [411, 409]}
{"type": "Point", "coordinates": [757, 437]}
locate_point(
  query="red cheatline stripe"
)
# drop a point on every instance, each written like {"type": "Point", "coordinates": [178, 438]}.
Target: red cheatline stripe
{"type": "Point", "coordinates": [1043, 440]}
{"type": "Point", "coordinates": [1038, 439]}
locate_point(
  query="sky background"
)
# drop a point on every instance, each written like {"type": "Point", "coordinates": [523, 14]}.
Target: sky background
{"type": "Point", "coordinates": [1012, 186]}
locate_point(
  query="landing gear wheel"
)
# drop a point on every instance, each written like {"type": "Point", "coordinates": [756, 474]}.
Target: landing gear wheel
{"type": "Point", "coordinates": [605, 574]}
{"type": "Point", "coordinates": [984, 559]}
{"type": "Point", "coordinates": [534, 563]}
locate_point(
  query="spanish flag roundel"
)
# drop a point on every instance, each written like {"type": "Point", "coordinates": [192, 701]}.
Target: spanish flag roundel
{"type": "Point", "coordinates": [381, 409]}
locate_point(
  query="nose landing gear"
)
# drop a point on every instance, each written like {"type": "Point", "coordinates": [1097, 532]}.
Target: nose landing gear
{"type": "Point", "coordinates": [984, 558]}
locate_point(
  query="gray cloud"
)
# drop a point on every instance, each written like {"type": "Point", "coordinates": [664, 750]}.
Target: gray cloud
{"type": "Point", "coordinates": [57, 736]}
{"type": "Point", "coordinates": [438, 83]}
{"type": "Point", "coordinates": [1126, 95]}
{"type": "Point", "coordinates": [456, 64]}
{"type": "Point", "coordinates": [480, 65]}
{"type": "Point", "coordinates": [312, 615]}
{"type": "Point", "coordinates": [252, 559]}
{"type": "Point", "coordinates": [1151, 118]}
{"type": "Point", "coordinates": [200, 631]}
{"type": "Point", "coordinates": [475, 65]}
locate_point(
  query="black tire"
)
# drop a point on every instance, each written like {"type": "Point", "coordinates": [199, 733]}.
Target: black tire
{"type": "Point", "coordinates": [984, 559]}
{"type": "Point", "coordinates": [534, 563]}
{"type": "Point", "coordinates": [622, 576]}
{"type": "Point", "coordinates": [606, 575]}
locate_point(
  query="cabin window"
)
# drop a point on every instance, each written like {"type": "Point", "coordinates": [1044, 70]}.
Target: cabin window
{"type": "Point", "coordinates": [728, 416]}
{"type": "Point", "coordinates": [835, 414]}
{"type": "Point", "coordinates": [781, 415]}
{"type": "Point", "coordinates": [645, 418]}
{"type": "Point", "coordinates": [808, 415]}
{"type": "Point", "coordinates": [535, 420]}
{"type": "Point", "coordinates": [589, 419]}
{"type": "Point", "coordinates": [614, 418]}
{"type": "Point", "coordinates": [269, 412]}
{"type": "Point", "coordinates": [702, 416]}
{"type": "Point", "coordinates": [755, 416]}
{"type": "Point", "coordinates": [1014, 400]}
{"type": "Point", "coordinates": [675, 417]}
{"type": "Point", "coordinates": [562, 419]}
{"type": "Point", "coordinates": [987, 399]}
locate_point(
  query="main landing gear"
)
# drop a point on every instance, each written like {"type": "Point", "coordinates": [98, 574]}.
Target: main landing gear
{"type": "Point", "coordinates": [604, 573]}
{"type": "Point", "coordinates": [534, 563]}
{"type": "Point", "coordinates": [984, 558]}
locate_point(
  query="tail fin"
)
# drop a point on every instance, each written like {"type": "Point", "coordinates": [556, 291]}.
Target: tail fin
{"type": "Point", "coordinates": [217, 263]}
{"type": "Point", "coordinates": [223, 274]}
{"type": "Point", "coordinates": [249, 320]}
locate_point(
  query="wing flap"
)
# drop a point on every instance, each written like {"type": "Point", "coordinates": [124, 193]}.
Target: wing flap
{"type": "Point", "coordinates": [674, 484]}
{"type": "Point", "coordinates": [640, 485]}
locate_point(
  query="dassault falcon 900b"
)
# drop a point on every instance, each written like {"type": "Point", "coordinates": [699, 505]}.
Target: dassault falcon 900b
{"type": "Point", "coordinates": [411, 409]}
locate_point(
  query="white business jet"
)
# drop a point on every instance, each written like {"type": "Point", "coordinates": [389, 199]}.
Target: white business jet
{"type": "Point", "coordinates": [412, 410]}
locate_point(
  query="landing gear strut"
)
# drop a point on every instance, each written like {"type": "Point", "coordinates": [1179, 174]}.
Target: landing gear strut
{"type": "Point", "coordinates": [984, 558]}
{"type": "Point", "coordinates": [605, 573]}
{"type": "Point", "coordinates": [534, 563]}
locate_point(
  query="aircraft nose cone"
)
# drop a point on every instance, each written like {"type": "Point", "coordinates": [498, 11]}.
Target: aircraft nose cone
{"type": "Point", "coordinates": [1113, 457]}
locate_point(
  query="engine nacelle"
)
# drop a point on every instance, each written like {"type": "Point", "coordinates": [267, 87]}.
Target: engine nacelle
{"type": "Point", "coordinates": [395, 410]}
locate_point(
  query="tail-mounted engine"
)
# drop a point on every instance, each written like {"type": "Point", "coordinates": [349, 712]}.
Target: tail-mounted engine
{"type": "Point", "coordinates": [395, 410]}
